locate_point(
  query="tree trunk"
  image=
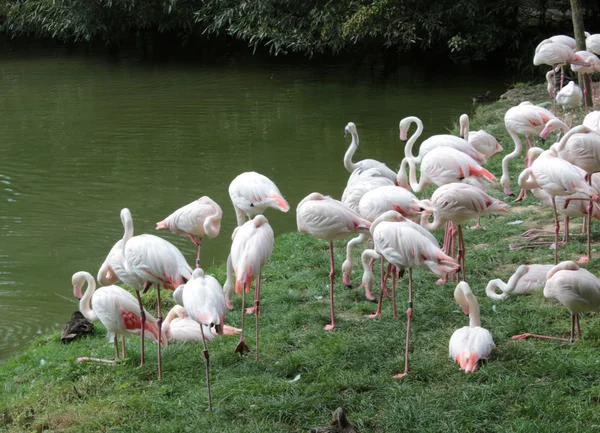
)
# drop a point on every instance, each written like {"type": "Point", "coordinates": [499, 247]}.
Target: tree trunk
{"type": "Point", "coordinates": [577, 12]}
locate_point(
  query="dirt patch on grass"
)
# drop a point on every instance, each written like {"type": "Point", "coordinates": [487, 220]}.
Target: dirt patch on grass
{"type": "Point", "coordinates": [520, 94]}
{"type": "Point", "coordinates": [535, 209]}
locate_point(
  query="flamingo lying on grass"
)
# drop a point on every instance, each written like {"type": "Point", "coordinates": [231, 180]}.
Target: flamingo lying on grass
{"type": "Point", "coordinates": [527, 279]}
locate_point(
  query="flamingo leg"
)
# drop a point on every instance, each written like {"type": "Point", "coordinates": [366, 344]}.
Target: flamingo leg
{"type": "Point", "coordinates": [589, 227]}
{"type": "Point", "coordinates": [386, 292]}
{"type": "Point", "coordinates": [199, 243]}
{"type": "Point", "coordinates": [578, 327]}
{"type": "Point", "coordinates": [380, 302]}
{"type": "Point", "coordinates": [116, 347]}
{"type": "Point", "coordinates": [206, 364]}
{"type": "Point", "coordinates": [461, 253]}
{"type": "Point", "coordinates": [408, 316]}
{"type": "Point", "coordinates": [123, 350]}
{"type": "Point", "coordinates": [556, 231]}
{"type": "Point", "coordinates": [159, 320]}
{"type": "Point", "coordinates": [143, 316]}
{"type": "Point", "coordinates": [257, 308]}
{"type": "Point", "coordinates": [331, 277]}
{"type": "Point", "coordinates": [242, 346]}
{"type": "Point", "coordinates": [394, 294]}
{"type": "Point", "coordinates": [478, 225]}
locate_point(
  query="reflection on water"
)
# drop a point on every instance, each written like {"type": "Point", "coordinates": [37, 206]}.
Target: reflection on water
{"type": "Point", "coordinates": [81, 138]}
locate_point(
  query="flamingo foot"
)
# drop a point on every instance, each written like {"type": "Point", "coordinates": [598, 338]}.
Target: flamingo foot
{"type": "Point", "coordinates": [374, 315]}
{"type": "Point", "coordinates": [228, 303]}
{"type": "Point", "coordinates": [400, 376]}
{"type": "Point", "coordinates": [369, 294]}
{"type": "Point", "coordinates": [250, 310]}
{"type": "Point", "coordinates": [522, 195]}
{"type": "Point", "coordinates": [442, 280]}
{"type": "Point", "coordinates": [525, 336]}
{"type": "Point", "coordinates": [386, 291]}
{"type": "Point", "coordinates": [475, 227]}
{"type": "Point", "coordinates": [330, 327]}
{"type": "Point", "coordinates": [507, 191]}
{"type": "Point", "coordinates": [242, 347]}
{"type": "Point", "coordinates": [583, 259]}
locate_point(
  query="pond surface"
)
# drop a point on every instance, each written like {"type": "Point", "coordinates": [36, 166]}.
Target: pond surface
{"type": "Point", "coordinates": [81, 138]}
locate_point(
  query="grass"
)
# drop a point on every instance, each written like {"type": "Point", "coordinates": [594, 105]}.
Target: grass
{"type": "Point", "coordinates": [527, 386]}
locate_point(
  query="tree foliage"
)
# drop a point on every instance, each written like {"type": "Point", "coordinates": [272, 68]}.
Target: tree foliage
{"type": "Point", "coordinates": [461, 28]}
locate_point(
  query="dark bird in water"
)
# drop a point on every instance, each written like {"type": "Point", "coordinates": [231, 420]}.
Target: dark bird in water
{"type": "Point", "coordinates": [77, 327]}
{"type": "Point", "coordinates": [339, 424]}
{"type": "Point", "coordinates": [484, 97]}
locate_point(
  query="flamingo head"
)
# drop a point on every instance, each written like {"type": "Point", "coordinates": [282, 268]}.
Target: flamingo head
{"type": "Point", "coordinates": [78, 282]}
{"type": "Point", "coordinates": [350, 129]}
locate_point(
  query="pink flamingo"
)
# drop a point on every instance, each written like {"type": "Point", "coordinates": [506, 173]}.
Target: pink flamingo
{"type": "Point", "coordinates": [179, 327]}
{"type": "Point", "coordinates": [250, 250]}
{"type": "Point", "coordinates": [405, 246]}
{"type": "Point", "coordinates": [527, 279]}
{"type": "Point", "coordinates": [328, 219]}
{"type": "Point", "coordinates": [575, 288]}
{"type": "Point", "coordinates": [569, 96]}
{"type": "Point", "coordinates": [203, 299]}
{"type": "Point", "coordinates": [371, 205]}
{"type": "Point", "coordinates": [365, 164]}
{"type": "Point", "coordinates": [526, 119]}
{"type": "Point", "coordinates": [445, 165]}
{"type": "Point", "coordinates": [592, 43]}
{"type": "Point", "coordinates": [117, 309]}
{"type": "Point", "coordinates": [367, 181]}
{"type": "Point", "coordinates": [553, 54]}
{"type": "Point", "coordinates": [143, 260]}
{"type": "Point", "coordinates": [252, 193]}
{"type": "Point", "coordinates": [594, 66]}
{"type": "Point", "coordinates": [435, 141]}
{"type": "Point", "coordinates": [592, 120]}
{"type": "Point", "coordinates": [458, 203]}
{"type": "Point", "coordinates": [470, 344]}
{"type": "Point", "coordinates": [485, 143]}
{"type": "Point", "coordinates": [200, 217]}
{"type": "Point", "coordinates": [558, 178]}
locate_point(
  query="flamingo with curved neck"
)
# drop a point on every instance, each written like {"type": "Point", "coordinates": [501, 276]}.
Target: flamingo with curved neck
{"type": "Point", "coordinates": [470, 344]}
{"type": "Point", "coordinates": [527, 279]}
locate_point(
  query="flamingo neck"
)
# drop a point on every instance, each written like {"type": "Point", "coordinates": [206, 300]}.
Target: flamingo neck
{"type": "Point", "coordinates": [408, 148]}
{"type": "Point", "coordinates": [350, 166]}
{"type": "Point", "coordinates": [84, 303]}
{"type": "Point", "coordinates": [368, 274]}
{"type": "Point", "coordinates": [474, 319]}
{"type": "Point", "coordinates": [412, 176]}
{"type": "Point", "coordinates": [431, 226]}
{"type": "Point", "coordinates": [127, 221]}
{"type": "Point", "coordinates": [527, 180]}
{"type": "Point", "coordinates": [212, 224]}
{"type": "Point", "coordinates": [514, 153]}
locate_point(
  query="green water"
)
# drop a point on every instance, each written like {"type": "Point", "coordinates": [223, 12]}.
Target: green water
{"type": "Point", "coordinates": [81, 138]}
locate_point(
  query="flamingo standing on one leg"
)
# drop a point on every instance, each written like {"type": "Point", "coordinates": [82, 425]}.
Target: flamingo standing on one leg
{"type": "Point", "coordinates": [470, 344]}
{"type": "Point", "coordinates": [525, 119]}
{"type": "Point", "coordinates": [575, 288]}
{"type": "Point", "coordinates": [143, 260]}
{"type": "Point", "coordinates": [250, 250]}
{"type": "Point", "coordinates": [526, 280]}
{"type": "Point", "coordinates": [328, 219]}
{"type": "Point", "coordinates": [485, 143]}
{"type": "Point", "coordinates": [557, 177]}
{"type": "Point", "coordinates": [458, 203]}
{"type": "Point", "coordinates": [116, 308]}
{"type": "Point", "coordinates": [365, 164]}
{"type": "Point", "coordinates": [405, 246]}
{"type": "Point", "coordinates": [569, 96]}
{"type": "Point", "coordinates": [203, 299]}
{"type": "Point", "coordinates": [200, 217]}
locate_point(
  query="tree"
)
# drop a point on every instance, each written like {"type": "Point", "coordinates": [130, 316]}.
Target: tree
{"type": "Point", "coordinates": [577, 13]}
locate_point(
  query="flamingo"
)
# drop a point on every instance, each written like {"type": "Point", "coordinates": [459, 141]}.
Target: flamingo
{"type": "Point", "coordinates": [558, 178]}
{"type": "Point", "coordinates": [194, 220]}
{"type": "Point", "coordinates": [445, 165]}
{"type": "Point", "coordinates": [569, 96]}
{"type": "Point", "coordinates": [252, 193]}
{"type": "Point", "coordinates": [328, 219]}
{"type": "Point", "coordinates": [365, 164]}
{"type": "Point", "coordinates": [556, 54]}
{"type": "Point", "coordinates": [203, 299]}
{"type": "Point", "coordinates": [117, 309]}
{"type": "Point", "coordinates": [470, 344]}
{"type": "Point", "coordinates": [369, 180]}
{"type": "Point", "coordinates": [373, 204]}
{"type": "Point", "coordinates": [527, 279]}
{"type": "Point", "coordinates": [179, 327]}
{"type": "Point", "coordinates": [143, 260]}
{"type": "Point", "coordinates": [592, 120]}
{"type": "Point", "coordinates": [436, 141]}
{"type": "Point", "coordinates": [565, 40]}
{"type": "Point", "coordinates": [592, 43]}
{"type": "Point", "coordinates": [581, 147]}
{"type": "Point", "coordinates": [404, 245]}
{"type": "Point", "coordinates": [485, 143]}
{"type": "Point", "coordinates": [458, 203]}
{"type": "Point", "coordinates": [594, 66]}
{"type": "Point", "coordinates": [574, 287]}
{"type": "Point", "coordinates": [526, 119]}
{"type": "Point", "coordinates": [250, 250]}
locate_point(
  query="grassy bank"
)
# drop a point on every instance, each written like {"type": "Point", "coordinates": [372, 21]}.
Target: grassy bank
{"type": "Point", "coordinates": [526, 386]}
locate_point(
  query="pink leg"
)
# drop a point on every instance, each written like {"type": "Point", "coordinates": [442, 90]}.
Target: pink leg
{"type": "Point", "coordinates": [206, 365]}
{"type": "Point", "coordinates": [461, 253]}
{"type": "Point", "coordinates": [143, 316]}
{"type": "Point", "coordinates": [242, 346]}
{"type": "Point", "coordinates": [123, 350]}
{"type": "Point", "coordinates": [257, 308]}
{"type": "Point", "coordinates": [394, 294]}
{"type": "Point", "coordinates": [331, 277]}
{"type": "Point", "coordinates": [578, 327]}
{"type": "Point", "coordinates": [587, 258]}
{"type": "Point", "coordinates": [199, 248]}
{"type": "Point", "coordinates": [386, 292]}
{"type": "Point", "coordinates": [556, 231]}
{"type": "Point", "coordinates": [380, 302]}
{"type": "Point", "coordinates": [408, 316]}
{"type": "Point", "coordinates": [159, 320]}
{"type": "Point", "coordinates": [478, 225]}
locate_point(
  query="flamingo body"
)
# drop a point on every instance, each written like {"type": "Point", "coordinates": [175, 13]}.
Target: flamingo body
{"type": "Point", "coordinates": [527, 279]}
{"type": "Point", "coordinates": [200, 217]}
{"type": "Point", "coordinates": [252, 193]}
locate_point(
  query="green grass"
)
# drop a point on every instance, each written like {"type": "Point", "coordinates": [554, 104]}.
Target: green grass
{"type": "Point", "coordinates": [527, 386]}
